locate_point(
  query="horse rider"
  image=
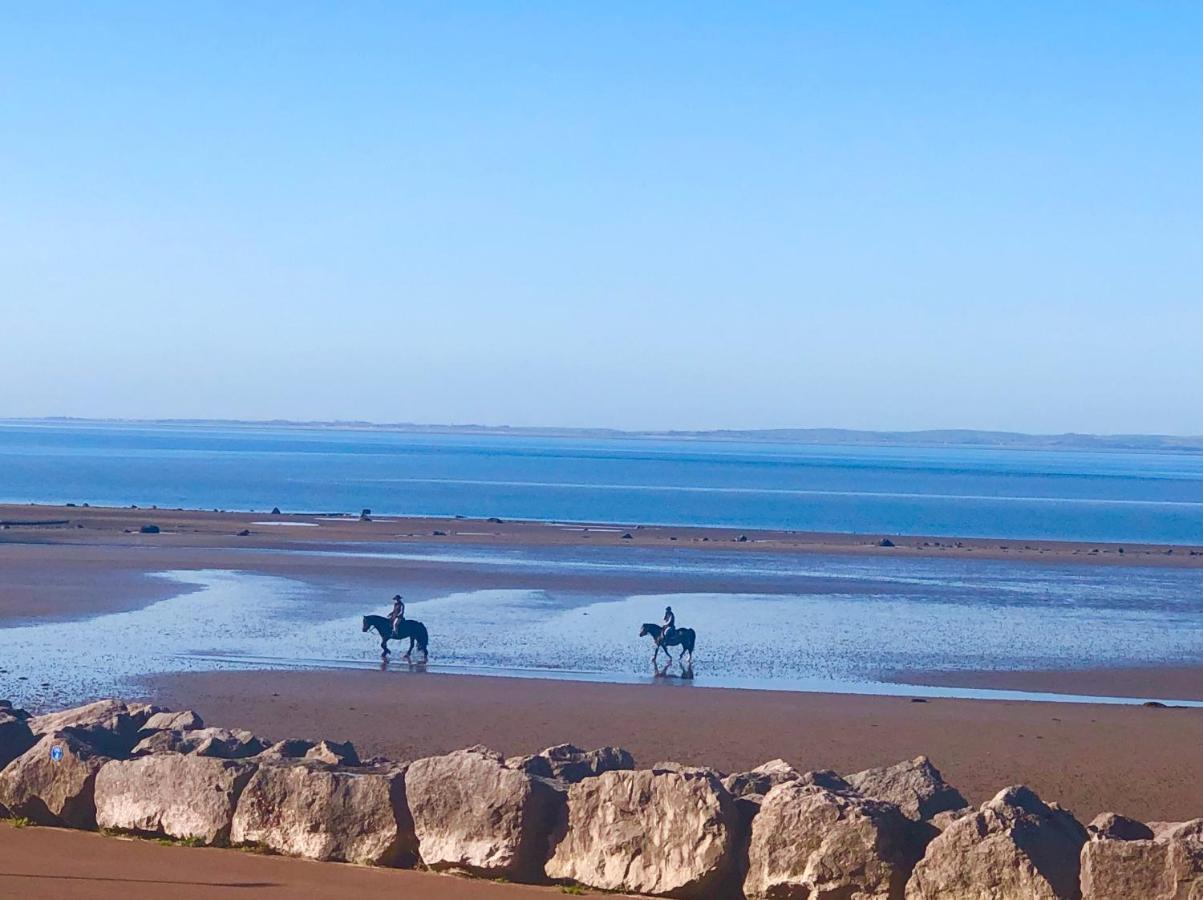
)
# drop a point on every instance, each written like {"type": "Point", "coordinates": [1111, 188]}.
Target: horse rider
{"type": "Point", "coordinates": [669, 626]}
{"type": "Point", "coordinates": [397, 616]}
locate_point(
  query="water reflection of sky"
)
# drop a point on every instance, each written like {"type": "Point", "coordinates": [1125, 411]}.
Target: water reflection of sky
{"type": "Point", "coordinates": [1018, 618]}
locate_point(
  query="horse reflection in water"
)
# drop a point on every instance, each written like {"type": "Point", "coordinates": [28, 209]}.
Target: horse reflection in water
{"type": "Point", "coordinates": [406, 628]}
{"type": "Point", "coordinates": [678, 637]}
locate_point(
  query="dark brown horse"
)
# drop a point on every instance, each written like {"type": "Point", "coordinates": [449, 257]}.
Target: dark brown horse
{"type": "Point", "coordinates": [406, 628]}
{"type": "Point", "coordinates": [678, 637]}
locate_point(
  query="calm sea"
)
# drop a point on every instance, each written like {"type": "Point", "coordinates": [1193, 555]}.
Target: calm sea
{"type": "Point", "coordinates": [1103, 496]}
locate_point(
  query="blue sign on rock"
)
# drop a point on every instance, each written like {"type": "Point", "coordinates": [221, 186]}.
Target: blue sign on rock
{"type": "Point", "coordinates": [56, 753]}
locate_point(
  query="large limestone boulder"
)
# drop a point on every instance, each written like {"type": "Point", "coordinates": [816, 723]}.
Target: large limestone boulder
{"type": "Point", "coordinates": [1015, 847]}
{"type": "Point", "coordinates": [111, 714]}
{"type": "Point", "coordinates": [312, 811]}
{"type": "Point", "coordinates": [671, 834]}
{"type": "Point", "coordinates": [808, 841]}
{"type": "Point", "coordinates": [473, 813]}
{"type": "Point", "coordinates": [1114, 827]}
{"type": "Point", "coordinates": [333, 753]}
{"type": "Point", "coordinates": [15, 736]}
{"type": "Point", "coordinates": [762, 779]}
{"type": "Point", "coordinates": [1126, 859]}
{"type": "Point", "coordinates": [219, 743]}
{"type": "Point", "coordinates": [186, 797]}
{"type": "Point", "coordinates": [572, 764]}
{"type": "Point", "coordinates": [287, 749]}
{"type": "Point", "coordinates": [915, 786]}
{"type": "Point", "coordinates": [52, 783]}
{"type": "Point", "coordinates": [108, 725]}
{"type": "Point", "coordinates": [166, 720]}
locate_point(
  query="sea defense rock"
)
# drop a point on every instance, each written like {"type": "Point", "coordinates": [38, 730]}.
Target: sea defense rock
{"type": "Point", "coordinates": [572, 764]}
{"type": "Point", "coordinates": [532, 765]}
{"type": "Point", "coordinates": [166, 720]}
{"type": "Point", "coordinates": [53, 782]}
{"type": "Point", "coordinates": [1114, 827]}
{"type": "Point", "coordinates": [185, 797]}
{"type": "Point", "coordinates": [663, 833]}
{"type": "Point", "coordinates": [108, 725]}
{"type": "Point", "coordinates": [219, 743]}
{"type": "Point", "coordinates": [308, 810]}
{"type": "Point", "coordinates": [915, 786]}
{"type": "Point", "coordinates": [288, 749]}
{"type": "Point", "coordinates": [808, 841]}
{"type": "Point", "coordinates": [762, 779]}
{"type": "Point", "coordinates": [1014, 846]}
{"type": "Point", "coordinates": [1125, 859]}
{"type": "Point", "coordinates": [473, 813]}
{"type": "Point", "coordinates": [333, 753]}
{"type": "Point", "coordinates": [15, 735]}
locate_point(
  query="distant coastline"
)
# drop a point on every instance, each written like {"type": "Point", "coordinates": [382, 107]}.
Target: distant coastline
{"type": "Point", "coordinates": [949, 437]}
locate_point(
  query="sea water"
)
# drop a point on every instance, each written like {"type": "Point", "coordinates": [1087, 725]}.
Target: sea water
{"type": "Point", "coordinates": [814, 623]}
{"type": "Point", "coordinates": [958, 491]}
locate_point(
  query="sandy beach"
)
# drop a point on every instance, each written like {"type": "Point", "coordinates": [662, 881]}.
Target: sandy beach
{"type": "Point", "coordinates": [1089, 757]}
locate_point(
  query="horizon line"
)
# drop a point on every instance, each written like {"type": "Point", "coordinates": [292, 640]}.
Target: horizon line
{"type": "Point", "coordinates": [1168, 441]}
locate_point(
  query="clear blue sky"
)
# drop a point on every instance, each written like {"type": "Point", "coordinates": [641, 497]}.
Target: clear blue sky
{"type": "Point", "coordinates": [875, 215]}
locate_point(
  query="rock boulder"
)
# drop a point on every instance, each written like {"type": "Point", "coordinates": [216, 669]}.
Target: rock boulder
{"type": "Point", "coordinates": [572, 764]}
{"type": "Point", "coordinates": [186, 797]}
{"type": "Point", "coordinates": [1014, 846]}
{"type": "Point", "coordinates": [808, 841]}
{"type": "Point", "coordinates": [663, 833]}
{"type": "Point", "coordinates": [15, 736]}
{"type": "Point", "coordinates": [473, 813]}
{"type": "Point", "coordinates": [762, 779]}
{"type": "Point", "coordinates": [311, 811]}
{"type": "Point", "coordinates": [219, 743]}
{"type": "Point", "coordinates": [333, 753]}
{"type": "Point", "coordinates": [107, 725]}
{"type": "Point", "coordinates": [53, 782]}
{"type": "Point", "coordinates": [166, 720]}
{"type": "Point", "coordinates": [1165, 863]}
{"type": "Point", "coordinates": [915, 786]}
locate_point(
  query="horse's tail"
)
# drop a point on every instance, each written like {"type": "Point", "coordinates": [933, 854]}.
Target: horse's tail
{"type": "Point", "coordinates": [689, 637]}
{"type": "Point", "coordinates": [423, 637]}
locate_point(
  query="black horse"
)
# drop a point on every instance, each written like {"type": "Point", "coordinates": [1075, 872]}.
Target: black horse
{"type": "Point", "coordinates": [682, 637]}
{"type": "Point", "coordinates": [406, 628]}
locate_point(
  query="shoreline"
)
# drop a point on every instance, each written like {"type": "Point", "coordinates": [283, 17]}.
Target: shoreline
{"type": "Point", "coordinates": [100, 563]}
{"type": "Point", "coordinates": [72, 524]}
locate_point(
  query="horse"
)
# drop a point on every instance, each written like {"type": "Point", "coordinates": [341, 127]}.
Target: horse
{"type": "Point", "coordinates": [406, 628]}
{"type": "Point", "coordinates": [683, 637]}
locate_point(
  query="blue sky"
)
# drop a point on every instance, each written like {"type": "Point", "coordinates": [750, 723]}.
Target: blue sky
{"type": "Point", "coordinates": [876, 215]}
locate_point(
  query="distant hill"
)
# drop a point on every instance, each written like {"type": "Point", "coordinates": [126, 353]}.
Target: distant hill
{"type": "Point", "coordinates": [958, 437]}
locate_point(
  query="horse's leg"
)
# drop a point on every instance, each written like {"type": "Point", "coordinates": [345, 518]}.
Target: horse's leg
{"type": "Point", "coordinates": [411, 648]}
{"type": "Point", "coordinates": [384, 646]}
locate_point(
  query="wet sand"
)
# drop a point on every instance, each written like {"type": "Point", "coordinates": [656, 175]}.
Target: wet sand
{"type": "Point", "coordinates": [51, 863]}
{"type": "Point", "coordinates": [201, 529]}
{"type": "Point", "coordinates": [1090, 758]}
{"type": "Point", "coordinates": [1183, 682]}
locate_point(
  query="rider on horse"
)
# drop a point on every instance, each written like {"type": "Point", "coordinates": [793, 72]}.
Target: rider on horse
{"type": "Point", "coordinates": [398, 613]}
{"type": "Point", "coordinates": [669, 625]}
